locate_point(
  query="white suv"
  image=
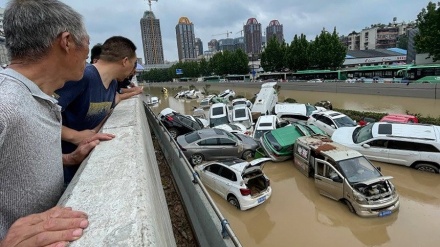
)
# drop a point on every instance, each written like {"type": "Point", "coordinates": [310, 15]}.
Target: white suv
{"type": "Point", "coordinates": [413, 145]}
{"type": "Point", "coordinates": [328, 121]}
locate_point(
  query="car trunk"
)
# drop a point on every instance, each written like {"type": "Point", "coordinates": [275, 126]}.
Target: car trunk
{"type": "Point", "coordinates": [254, 178]}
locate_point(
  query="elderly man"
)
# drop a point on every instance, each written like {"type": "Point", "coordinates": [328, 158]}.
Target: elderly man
{"type": "Point", "coordinates": [48, 45]}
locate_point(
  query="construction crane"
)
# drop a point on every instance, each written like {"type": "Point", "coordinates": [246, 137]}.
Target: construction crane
{"type": "Point", "coordinates": [241, 32]}
{"type": "Point", "coordinates": [149, 3]}
{"type": "Point", "coordinates": [227, 34]}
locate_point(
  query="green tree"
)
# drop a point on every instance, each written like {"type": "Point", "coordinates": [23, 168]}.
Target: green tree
{"type": "Point", "coordinates": [240, 62]}
{"type": "Point", "coordinates": [428, 38]}
{"type": "Point", "coordinates": [402, 42]}
{"type": "Point", "coordinates": [337, 51]}
{"type": "Point", "coordinates": [204, 68]}
{"type": "Point", "coordinates": [298, 53]}
{"type": "Point", "coordinates": [272, 56]}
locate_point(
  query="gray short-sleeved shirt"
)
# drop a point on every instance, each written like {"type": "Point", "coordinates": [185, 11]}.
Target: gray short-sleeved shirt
{"type": "Point", "coordinates": [31, 172]}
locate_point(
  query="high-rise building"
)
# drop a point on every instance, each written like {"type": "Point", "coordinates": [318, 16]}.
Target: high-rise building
{"type": "Point", "coordinates": [275, 29]}
{"type": "Point", "coordinates": [213, 45]}
{"type": "Point", "coordinates": [185, 39]}
{"type": "Point", "coordinates": [199, 47]}
{"type": "Point", "coordinates": [226, 44]}
{"type": "Point", "coordinates": [239, 43]}
{"type": "Point", "coordinates": [151, 39]}
{"type": "Point", "coordinates": [252, 36]}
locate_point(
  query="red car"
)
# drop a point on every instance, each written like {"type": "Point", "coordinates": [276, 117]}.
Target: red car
{"type": "Point", "coordinates": [399, 118]}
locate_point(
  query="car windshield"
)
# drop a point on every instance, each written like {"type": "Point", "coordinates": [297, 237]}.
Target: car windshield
{"type": "Point", "coordinates": [240, 113]}
{"type": "Point", "coordinates": [217, 111]}
{"type": "Point", "coordinates": [361, 134]}
{"type": "Point", "coordinates": [310, 109]}
{"type": "Point", "coordinates": [204, 102]}
{"type": "Point", "coordinates": [192, 137]}
{"type": "Point", "coordinates": [358, 169]}
{"type": "Point", "coordinates": [259, 133]}
{"type": "Point", "coordinates": [271, 139]}
{"type": "Point", "coordinates": [344, 122]}
{"type": "Point", "coordinates": [218, 121]}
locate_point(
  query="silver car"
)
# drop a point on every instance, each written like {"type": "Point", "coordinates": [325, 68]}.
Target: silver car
{"type": "Point", "coordinates": [214, 144]}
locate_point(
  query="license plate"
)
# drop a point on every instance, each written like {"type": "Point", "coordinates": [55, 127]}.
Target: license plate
{"type": "Point", "coordinates": [261, 199]}
{"type": "Point", "coordinates": [384, 213]}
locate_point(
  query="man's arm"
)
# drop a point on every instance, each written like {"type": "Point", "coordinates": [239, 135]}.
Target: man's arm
{"type": "Point", "coordinates": [76, 137]}
{"type": "Point", "coordinates": [54, 227]}
{"type": "Point", "coordinates": [128, 93]}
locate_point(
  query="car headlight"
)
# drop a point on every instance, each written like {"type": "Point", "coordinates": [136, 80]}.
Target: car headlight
{"type": "Point", "coordinates": [359, 198]}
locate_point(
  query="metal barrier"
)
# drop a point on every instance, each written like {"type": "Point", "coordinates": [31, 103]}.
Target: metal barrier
{"type": "Point", "coordinates": [210, 227]}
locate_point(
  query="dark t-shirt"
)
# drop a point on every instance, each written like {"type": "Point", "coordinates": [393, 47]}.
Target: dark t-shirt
{"type": "Point", "coordinates": [85, 103]}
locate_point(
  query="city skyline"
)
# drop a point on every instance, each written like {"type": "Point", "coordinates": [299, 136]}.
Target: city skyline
{"type": "Point", "coordinates": [114, 17]}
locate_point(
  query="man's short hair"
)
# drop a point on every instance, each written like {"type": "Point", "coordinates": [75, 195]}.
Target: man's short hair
{"type": "Point", "coordinates": [95, 52]}
{"type": "Point", "coordinates": [117, 48]}
{"type": "Point", "coordinates": [31, 27]}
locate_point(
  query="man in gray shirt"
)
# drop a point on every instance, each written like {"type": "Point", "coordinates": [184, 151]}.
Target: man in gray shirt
{"type": "Point", "coordinates": [48, 45]}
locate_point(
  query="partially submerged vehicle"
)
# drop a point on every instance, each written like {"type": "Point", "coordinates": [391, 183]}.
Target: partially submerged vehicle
{"type": "Point", "coordinates": [267, 123]}
{"type": "Point", "coordinates": [242, 101]}
{"type": "Point", "coordinates": [227, 94]}
{"type": "Point", "coordinates": [278, 144]}
{"type": "Point", "coordinates": [296, 111]}
{"type": "Point", "coordinates": [242, 114]}
{"type": "Point", "coordinates": [345, 175]}
{"type": "Point", "coordinates": [241, 183]}
{"type": "Point", "coordinates": [265, 101]}
{"type": "Point", "coordinates": [234, 128]}
{"type": "Point", "coordinates": [219, 114]}
{"type": "Point", "coordinates": [207, 101]}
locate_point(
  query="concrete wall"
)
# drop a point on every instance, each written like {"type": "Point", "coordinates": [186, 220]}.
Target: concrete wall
{"type": "Point", "coordinates": [119, 186]}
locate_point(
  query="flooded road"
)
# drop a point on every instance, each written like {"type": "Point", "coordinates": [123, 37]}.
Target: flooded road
{"type": "Point", "coordinates": [296, 215]}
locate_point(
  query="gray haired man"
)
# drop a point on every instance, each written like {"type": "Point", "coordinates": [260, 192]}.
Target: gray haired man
{"type": "Point", "coordinates": [48, 45]}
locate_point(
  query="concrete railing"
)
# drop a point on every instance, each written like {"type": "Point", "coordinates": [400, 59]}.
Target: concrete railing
{"type": "Point", "coordinates": [119, 186]}
{"type": "Point", "coordinates": [210, 227]}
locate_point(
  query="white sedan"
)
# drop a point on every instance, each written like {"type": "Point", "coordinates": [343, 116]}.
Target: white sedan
{"type": "Point", "coordinates": [241, 183]}
{"type": "Point", "coordinates": [329, 121]}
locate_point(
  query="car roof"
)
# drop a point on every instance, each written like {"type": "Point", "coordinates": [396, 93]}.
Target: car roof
{"type": "Point", "coordinates": [325, 145]}
{"type": "Point", "coordinates": [291, 108]}
{"type": "Point", "coordinates": [286, 135]}
{"type": "Point", "coordinates": [331, 114]}
{"type": "Point", "coordinates": [267, 118]}
{"type": "Point", "coordinates": [414, 131]}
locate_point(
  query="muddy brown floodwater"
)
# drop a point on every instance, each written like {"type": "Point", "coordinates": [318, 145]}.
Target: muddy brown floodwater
{"type": "Point", "coordinates": [296, 215]}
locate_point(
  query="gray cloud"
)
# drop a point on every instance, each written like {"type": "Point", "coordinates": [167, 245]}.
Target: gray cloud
{"type": "Point", "coordinates": [105, 18]}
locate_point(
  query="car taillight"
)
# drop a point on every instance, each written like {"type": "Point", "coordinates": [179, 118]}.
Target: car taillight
{"type": "Point", "coordinates": [245, 192]}
{"type": "Point", "coordinates": [170, 118]}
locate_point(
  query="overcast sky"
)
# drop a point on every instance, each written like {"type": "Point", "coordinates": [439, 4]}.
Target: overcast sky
{"type": "Point", "coordinates": [106, 18]}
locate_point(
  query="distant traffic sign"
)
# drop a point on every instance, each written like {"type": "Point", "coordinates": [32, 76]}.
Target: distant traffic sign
{"type": "Point", "coordinates": [179, 71]}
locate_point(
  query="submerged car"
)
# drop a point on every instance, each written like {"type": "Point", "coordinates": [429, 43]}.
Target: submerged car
{"type": "Point", "coordinates": [241, 183]}
{"type": "Point", "coordinates": [399, 118]}
{"type": "Point", "coordinates": [178, 124]}
{"type": "Point", "coordinates": [219, 114]}
{"type": "Point", "coordinates": [278, 144]}
{"type": "Point", "coordinates": [413, 145]}
{"type": "Point", "coordinates": [329, 121]}
{"type": "Point", "coordinates": [242, 114]}
{"type": "Point", "coordinates": [214, 144]}
{"type": "Point", "coordinates": [234, 128]}
{"type": "Point", "coordinates": [267, 123]}
{"type": "Point", "coordinates": [296, 111]}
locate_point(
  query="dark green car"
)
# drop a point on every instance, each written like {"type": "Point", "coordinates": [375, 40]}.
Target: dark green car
{"type": "Point", "coordinates": [278, 144]}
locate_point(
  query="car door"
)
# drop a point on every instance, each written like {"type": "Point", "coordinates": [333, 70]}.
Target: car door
{"type": "Point", "coordinates": [209, 148]}
{"type": "Point", "coordinates": [225, 181]}
{"type": "Point", "coordinates": [209, 175]}
{"type": "Point", "coordinates": [228, 147]}
{"type": "Point", "coordinates": [375, 149]}
{"type": "Point", "coordinates": [328, 180]}
{"type": "Point", "coordinates": [328, 126]}
{"type": "Point", "coordinates": [402, 152]}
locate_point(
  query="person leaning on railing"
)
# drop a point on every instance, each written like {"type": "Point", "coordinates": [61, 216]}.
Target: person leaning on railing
{"type": "Point", "coordinates": [48, 45]}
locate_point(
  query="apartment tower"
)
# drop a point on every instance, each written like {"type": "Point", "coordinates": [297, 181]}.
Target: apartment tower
{"type": "Point", "coordinates": [252, 36]}
{"type": "Point", "coordinates": [185, 39]}
{"type": "Point", "coordinates": [275, 29]}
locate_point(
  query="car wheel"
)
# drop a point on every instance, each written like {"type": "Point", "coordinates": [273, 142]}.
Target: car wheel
{"type": "Point", "coordinates": [196, 159]}
{"type": "Point", "coordinates": [173, 132]}
{"type": "Point", "coordinates": [427, 167]}
{"type": "Point", "coordinates": [350, 207]}
{"type": "Point", "coordinates": [248, 154]}
{"type": "Point", "coordinates": [234, 201]}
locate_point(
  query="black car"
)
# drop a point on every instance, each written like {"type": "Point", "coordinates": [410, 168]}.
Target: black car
{"type": "Point", "coordinates": [178, 124]}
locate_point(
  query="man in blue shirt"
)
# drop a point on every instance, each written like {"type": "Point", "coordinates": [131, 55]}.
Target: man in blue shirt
{"type": "Point", "coordinates": [86, 103]}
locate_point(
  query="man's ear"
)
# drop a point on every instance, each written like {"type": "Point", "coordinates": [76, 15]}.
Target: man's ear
{"type": "Point", "coordinates": [65, 41]}
{"type": "Point", "coordinates": [125, 61]}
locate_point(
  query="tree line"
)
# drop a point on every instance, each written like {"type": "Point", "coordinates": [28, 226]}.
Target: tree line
{"type": "Point", "coordinates": [428, 38]}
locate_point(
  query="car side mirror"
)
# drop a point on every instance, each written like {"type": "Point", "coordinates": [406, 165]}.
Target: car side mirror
{"type": "Point", "coordinates": [366, 145]}
{"type": "Point", "coordinates": [354, 121]}
{"type": "Point", "coordinates": [333, 126]}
